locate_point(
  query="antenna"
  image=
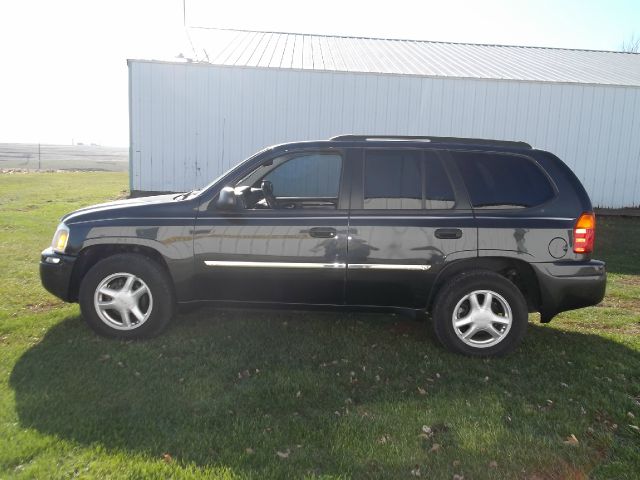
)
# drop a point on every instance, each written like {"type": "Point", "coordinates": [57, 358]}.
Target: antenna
{"type": "Point", "coordinates": [184, 13]}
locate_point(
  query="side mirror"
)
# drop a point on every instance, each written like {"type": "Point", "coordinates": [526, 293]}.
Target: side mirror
{"type": "Point", "coordinates": [227, 199]}
{"type": "Point", "coordinates": [267, 187]}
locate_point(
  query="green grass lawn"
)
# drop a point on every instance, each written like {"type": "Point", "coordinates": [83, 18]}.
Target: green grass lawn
{"type": "Point", "coordinates": [255, 394]}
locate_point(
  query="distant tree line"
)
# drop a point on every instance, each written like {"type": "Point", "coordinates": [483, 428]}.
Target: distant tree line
{"type": "Point", "coordinates": [632, 45]}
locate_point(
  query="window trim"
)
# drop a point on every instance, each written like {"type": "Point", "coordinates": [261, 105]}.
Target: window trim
{"type": "Point", "coordinates": [459, 195]}
{"type": "Point", "coordinates": [481, 210]}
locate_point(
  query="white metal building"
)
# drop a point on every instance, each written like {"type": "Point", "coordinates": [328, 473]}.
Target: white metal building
{"type": "Point", "coordinates": [239, 91]}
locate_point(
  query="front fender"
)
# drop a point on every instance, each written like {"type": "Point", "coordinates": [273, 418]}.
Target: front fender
{"type": "Point", "coordinates": [173, 244]}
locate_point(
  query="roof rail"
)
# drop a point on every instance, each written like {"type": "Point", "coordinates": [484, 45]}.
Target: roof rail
{"type": "Point", "coordinates": [418, 138]}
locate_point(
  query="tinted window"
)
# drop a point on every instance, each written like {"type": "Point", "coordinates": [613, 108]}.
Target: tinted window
{"type": "Point", "coordinates": [393, 180]}
{"type": "Point", "coordinates": [438, 191]}
{"type": "Point", "coordinates": [503, 181]}
{"type": "Point", "coordinates": [402, 179]}
{"type": "Point", "coordinates": [314, 175]}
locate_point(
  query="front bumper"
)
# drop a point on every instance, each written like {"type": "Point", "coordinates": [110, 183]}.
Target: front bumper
{"type": "Point", "coordinates": [569, 285]}
{"type": "Point", "coordinates": [55, 273]}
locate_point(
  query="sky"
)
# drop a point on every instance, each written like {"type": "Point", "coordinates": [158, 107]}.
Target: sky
{"type": "Point", "coordinates": [63, 76]}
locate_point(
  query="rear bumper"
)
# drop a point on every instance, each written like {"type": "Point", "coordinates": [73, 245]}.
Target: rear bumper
{"type": "Point", "coordinates": [569, 285]}
{"type": "Point", "coordinates": [55, 273]}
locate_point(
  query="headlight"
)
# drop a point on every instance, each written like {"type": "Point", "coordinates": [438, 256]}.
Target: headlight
{"type": "Point", "coordinates": [59, 242]}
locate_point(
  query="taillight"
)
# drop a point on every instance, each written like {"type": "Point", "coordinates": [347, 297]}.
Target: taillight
{"type": "Point", "coordinates": [584, 233]}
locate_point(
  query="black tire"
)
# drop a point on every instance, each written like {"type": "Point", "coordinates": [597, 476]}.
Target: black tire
{"type": "Point", "coordinates": [161, 309]}
{"type": "Point", "coordinates": [464, 284]}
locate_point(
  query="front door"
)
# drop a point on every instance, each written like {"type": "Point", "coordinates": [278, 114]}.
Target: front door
{"type": "Point", "coordinates": [289, 244]}
{"type": "Point", "coordinates": [409, 214]}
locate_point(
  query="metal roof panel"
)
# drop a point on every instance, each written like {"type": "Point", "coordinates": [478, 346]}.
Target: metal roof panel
{"type": "Point", "coordinates": [412, 57]}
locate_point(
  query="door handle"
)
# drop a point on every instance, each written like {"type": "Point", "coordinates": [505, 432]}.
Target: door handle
{"type": "Point", "coordinates": [448, 233]}
{"type": "Point", "coordinates": [201, 231]}
{"type": "Point", "coordinates": [323, 232]}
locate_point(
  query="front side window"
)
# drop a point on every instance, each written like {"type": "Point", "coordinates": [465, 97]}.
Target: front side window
{"type": "Point", "coordinates": [497, 180]}
{"type": "Point", "coordinates": [294, 181]}
{"type": "Point", "coordinates": [314, 175]}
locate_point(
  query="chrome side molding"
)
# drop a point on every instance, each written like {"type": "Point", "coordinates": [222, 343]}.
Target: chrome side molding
{"type": "Point", "coordinates": [387, 266]}
{"type": "Point", "coordinates": [221, 263]}
{"type": "Point", "coordinates": [355, 266]}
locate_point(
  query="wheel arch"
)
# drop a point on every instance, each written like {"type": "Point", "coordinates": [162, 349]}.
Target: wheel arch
{"type": "Point", "coordinates": [92, 254]}
{"type": "Point", "coordinates": [519, 272]}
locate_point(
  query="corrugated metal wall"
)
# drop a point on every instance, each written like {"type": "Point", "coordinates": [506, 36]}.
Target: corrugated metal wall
{"type": "Point", "coordinates": [191, 122]}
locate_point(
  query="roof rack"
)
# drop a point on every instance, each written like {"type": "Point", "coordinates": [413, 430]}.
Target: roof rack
{"type": "Point", "coordinates": [412, 138]}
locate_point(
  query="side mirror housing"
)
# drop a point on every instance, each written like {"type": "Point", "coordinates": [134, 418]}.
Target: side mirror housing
{"type": "Point", "coordinates": [228, 200]}
{"type": "Point", "coordinates": [267, 187]}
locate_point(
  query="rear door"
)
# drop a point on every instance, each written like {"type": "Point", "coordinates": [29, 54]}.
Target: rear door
{"type": "Point", "coordinates": [293, 251]}
{"type": "Point", "coordinates": [409, 215]}
{"type": "Point", "coordinates": [512, 200]}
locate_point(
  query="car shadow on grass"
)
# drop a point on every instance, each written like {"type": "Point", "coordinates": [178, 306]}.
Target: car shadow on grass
{"type": "Point", "coordinates": [277, 394]}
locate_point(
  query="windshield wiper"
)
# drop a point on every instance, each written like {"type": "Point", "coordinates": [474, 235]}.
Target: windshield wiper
{"type": "Point", "coordinates": [183, 196]}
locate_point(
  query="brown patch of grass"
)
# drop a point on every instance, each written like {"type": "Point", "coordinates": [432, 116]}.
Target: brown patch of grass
{"type": "Point", "coordinates": [45, 306]}
{"type": "Point", "coordinates": [628, 329]}
{"type": "Point", "coordinates": [629, 304]}
{"type": "Point", "coordinates": [565, 472]}
{"type": "Point", "coordinates": [631, 280]}
{"type": "Point", "coordinates": [122, 195]}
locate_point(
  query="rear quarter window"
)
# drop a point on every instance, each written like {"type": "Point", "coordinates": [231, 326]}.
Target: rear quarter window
{"type": "Point", "coordinates": [496, 180]}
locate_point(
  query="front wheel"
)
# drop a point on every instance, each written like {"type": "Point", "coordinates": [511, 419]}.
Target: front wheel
{"type": "Point", "coordinates": [127, 296]}
{"type": "Point", "coordinates": [481, 314]}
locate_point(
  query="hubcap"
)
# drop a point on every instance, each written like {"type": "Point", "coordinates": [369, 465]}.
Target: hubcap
{"type": "Point", "coordinates": [482, 318]}
{"type": "Point", "coordinates": [123, 301]}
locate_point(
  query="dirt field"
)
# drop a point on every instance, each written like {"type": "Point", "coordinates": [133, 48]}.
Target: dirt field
{"type": "Point", "coordinates": [63, 157]}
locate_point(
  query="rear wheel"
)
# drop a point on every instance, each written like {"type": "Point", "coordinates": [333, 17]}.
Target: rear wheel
{"type": "Point", "coordinates": [127, 296]}
{"type": "Point", "coordinates": [480, 313]}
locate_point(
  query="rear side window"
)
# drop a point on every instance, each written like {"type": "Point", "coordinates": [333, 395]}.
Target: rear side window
{"type": "Point", "coordinates": [393, 180]}
{"type": "Point", "coordinates": [503, 181]}
{"type": "Point", "coordinates": [405, 180]}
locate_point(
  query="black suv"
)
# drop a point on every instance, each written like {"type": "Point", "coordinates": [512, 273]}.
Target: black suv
{"type": "Point", "coordinates": [475, 232]}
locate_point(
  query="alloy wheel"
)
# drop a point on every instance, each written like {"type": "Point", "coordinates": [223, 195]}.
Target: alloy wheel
{"type": "Point", "coordinates": [123, 301]}
{"type": "Point", "coordinates": [482, 318]}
